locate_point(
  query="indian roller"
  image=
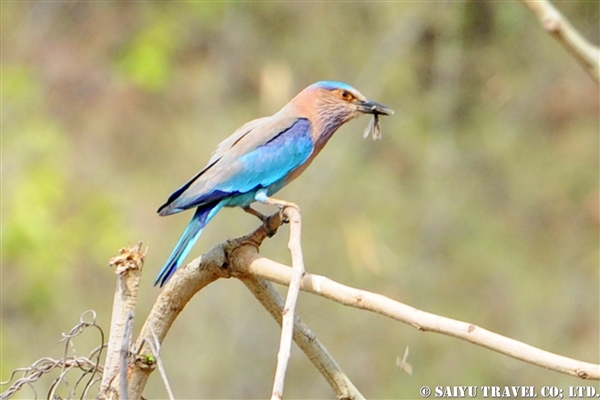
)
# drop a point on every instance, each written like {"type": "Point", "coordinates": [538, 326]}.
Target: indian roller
{"type": "Point", "coordinates": [263, 156]}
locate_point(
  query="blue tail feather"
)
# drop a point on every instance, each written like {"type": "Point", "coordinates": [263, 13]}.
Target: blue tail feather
{"type": "Point", "coordinates": [191, 234]}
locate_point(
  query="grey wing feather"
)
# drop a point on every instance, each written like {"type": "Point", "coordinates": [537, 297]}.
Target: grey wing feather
{"type": "Point", "coordinates": [235, 137]}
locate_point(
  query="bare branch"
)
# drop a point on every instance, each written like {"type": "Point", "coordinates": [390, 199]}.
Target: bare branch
{"type": "Point", "coordinates": [558, 26]}
{"type": "Point", "coordinates": [255, 264]}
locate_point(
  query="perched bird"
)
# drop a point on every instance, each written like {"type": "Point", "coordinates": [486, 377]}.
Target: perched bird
{"type": "Point", "coordinates": [263, 156]}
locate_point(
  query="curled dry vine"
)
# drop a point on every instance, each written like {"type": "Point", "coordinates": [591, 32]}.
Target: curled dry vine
{"type": "Point", "coordinates": [76, 374]}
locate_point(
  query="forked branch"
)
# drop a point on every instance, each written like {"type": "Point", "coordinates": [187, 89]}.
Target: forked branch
{"type": "Point", "coordinates": [240, 258]}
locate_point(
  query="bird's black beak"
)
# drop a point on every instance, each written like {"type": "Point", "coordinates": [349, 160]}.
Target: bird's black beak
{"type": "Point", "coordinates": [372, 107]}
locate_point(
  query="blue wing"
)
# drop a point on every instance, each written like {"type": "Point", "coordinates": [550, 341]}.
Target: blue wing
{"type": "Point", "coordinates": [260, 158]}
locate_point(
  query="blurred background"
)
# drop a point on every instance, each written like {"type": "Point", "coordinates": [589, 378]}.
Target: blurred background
{"type": "Point", "coordinates": [481, 202]}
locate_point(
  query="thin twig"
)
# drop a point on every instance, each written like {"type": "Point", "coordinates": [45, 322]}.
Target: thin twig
{"type": "Point", "coordinates": [587, 54]}
{"type": "Point", "coordinates": [155, 347]}
{"type": "Point", "coordinates": [292, 212]}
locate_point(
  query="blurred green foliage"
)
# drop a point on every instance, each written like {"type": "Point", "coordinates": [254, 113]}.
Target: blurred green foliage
{"type": "Point", "coordinates": [147, 60]}
{"type": "Point", "coordinates": [480, 203]}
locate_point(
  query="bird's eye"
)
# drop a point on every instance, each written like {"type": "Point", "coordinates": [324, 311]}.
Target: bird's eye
{"type": "Point", "coordinates": [345, 95]}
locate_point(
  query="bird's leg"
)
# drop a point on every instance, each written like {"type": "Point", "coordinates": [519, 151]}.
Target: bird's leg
{"type": "Point", "coordinates": [262, 197]}
{"type": "Point", "coordinates": [256, 213]}
{"type": "Point", "coordinates": [265, 220]}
